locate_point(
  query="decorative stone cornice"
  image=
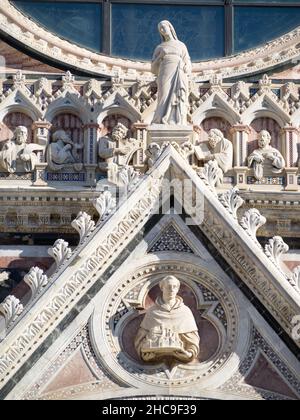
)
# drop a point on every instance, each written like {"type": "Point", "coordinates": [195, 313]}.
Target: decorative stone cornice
{"type": "Point", "coordinates": [19, 27]}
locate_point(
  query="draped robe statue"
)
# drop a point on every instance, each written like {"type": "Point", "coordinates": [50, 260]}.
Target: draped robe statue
{"type": "Point", "coordinates": [168, 328]}
{"type": "Point", "coordinates": [63, 151]}
{"type": "Point", "coordinates": [17, 155]}
{"type": "Point", "coordinates": [219, 149]}
{"type": "Point", "coordinates": [172, 65]}
{"type": "Point", "coordinates": [265, 157]}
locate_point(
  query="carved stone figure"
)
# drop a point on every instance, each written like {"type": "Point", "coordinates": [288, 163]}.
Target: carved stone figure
{"type": "Point", "coordinates": [168, 329]}
{"type": "Point", "coordinates": [219, 149]}
{"type": "Point", "coordinates": [116, 149]}
{"type": "Point", "coordinates": [266, 157]}
{"type": "Point", "coordinates": [172, 65]}
{"type": "Point", "coordinates": [17, 155]}
{"type": "Point", "coordinates": [63, 151]}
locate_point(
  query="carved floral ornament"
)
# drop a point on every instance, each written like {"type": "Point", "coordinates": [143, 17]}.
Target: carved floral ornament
{"type": "Point", "coordinates": [114, 327]}
{"type": "Point", "coordinates": [24, 30]}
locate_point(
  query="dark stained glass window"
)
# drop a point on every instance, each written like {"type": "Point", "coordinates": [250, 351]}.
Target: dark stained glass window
{"type": "Point", "coordinates": [255, 26]}
{"type": "Point", "coordinates": [80, 23]}
{"type": "Point", "coordinates": [128, 28]}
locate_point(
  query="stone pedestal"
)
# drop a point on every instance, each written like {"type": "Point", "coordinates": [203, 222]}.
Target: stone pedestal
{"type": "Point", "coordinates": [159, 133]}
{"type": "Point", "coordinates": [241, 177]}
{"type": "Point", "coordinates": [90, 175]}
{"type": "Point", "coordinates": [291, 179]}
{"type": "Point", "coordinates": [40, 175]}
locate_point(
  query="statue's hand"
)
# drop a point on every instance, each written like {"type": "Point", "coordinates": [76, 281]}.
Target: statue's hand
{"type": "Point", "coordinates": [258, 158]}
{"type": "Point", "coordinates": [68, 147]}
{"type": "Point", "coordinates": [148, 356]}
{"type": "Point", "coordinates": [183, 355]}
{"type": "Point", "coordinates": [123, 150]}
{"type": "Point", "coordinates": [209, 157]}
{"type": "Point", "coordinates": [25, 157]}
{"type": "Point", "coordinates": [270, 156]}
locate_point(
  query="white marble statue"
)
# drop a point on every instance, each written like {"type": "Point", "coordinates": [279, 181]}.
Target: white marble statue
{"type": "Point", "coordinates": [168, 329]}
{"type": "Point", "coordinates": [17, 155]}
{"type": "Point", "coordinates": [116, 149]}
{"type": "Point", "coordinates": [171, 64]}
{"type": "Point", "coordinates": [63, 151]}
{"type": "Point", "coordinates": [219, 149]}
{"type": "Point", "coordinates": [265, 158]}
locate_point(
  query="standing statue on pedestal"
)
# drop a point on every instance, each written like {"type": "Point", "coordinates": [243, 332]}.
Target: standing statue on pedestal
{"type": "Point", "coordinates": [63, 151]}
{"type": "Point", "coordinates": [168, 329]}
{"type": "Point", "coordinates": [116, 150]}
{"type": "Point", "coordinates": [265, 158]}
{"type": "Point", "coordinates": [172, 65]}
{"type": "Point", "coordinates": [17, 155]}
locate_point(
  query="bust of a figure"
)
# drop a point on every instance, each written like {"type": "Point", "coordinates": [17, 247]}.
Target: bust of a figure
{"type": "Point", "coordinates": [17, 155]}
{"type": "Point", "coordinates": [218, 149]}
{"type": "Point", "coordinates": [116, 149]}
{"type": "Point", "coordinates": [266, 157]}
{"type": "Point", "coordinates": [171, 64]}
{"type": "Point", "coordinates": [168, 329]}
{"type": "Point", "coordinates": [63, 151]}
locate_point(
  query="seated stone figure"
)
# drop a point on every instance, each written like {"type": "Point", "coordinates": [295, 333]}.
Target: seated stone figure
{"type": "Point", "coordinates": [265, 158]}
{"type": "Point", "coordinates": [219, 149]}
{"type": "Point", "coordinates": [116, 149]}
{"type": "Point", "coordinates": [62, 151]}
{"type": "Point", "coordinates": [17, 155]}
{"type": "Point", "coordinates": [168, 329]}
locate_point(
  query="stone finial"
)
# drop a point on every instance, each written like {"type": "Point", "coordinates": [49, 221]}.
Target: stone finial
{"type": "Point", "coordinates": [104, 204]}
{"type": "Point", "coordinates": [11, 309]}
{"type": "Point", "coordinates": [294, 280]}
{"type": "Point", "coordinates": [128, 177]}
{"type": "Point", "coordinates": [83, 224]}
{"type": "Point", "coordinates": [210, 174]}
{"type": "Point", "coordinates": [36, 280]}
{"type": "Point", "coordinates": [275, 249]}
{"type": "Point", "coordinates": [252, 221]}
{"type": "Point", "coordinates": [232, 201]}
{"type": "Point", "coordinates": [60, 252]}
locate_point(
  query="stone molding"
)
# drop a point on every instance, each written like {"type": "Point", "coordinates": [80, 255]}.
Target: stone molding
{"type": "Point", "coordinates": [18, 26]}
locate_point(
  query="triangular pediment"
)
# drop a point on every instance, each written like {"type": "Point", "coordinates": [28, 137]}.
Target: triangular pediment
{"type": "Point", "coordinates": [119, 241]}
{"type": "Point", "coordinates": [78, 365]}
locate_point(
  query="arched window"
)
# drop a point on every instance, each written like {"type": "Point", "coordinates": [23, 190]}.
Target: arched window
{"type": "Point", "coordinates": [210, 28]}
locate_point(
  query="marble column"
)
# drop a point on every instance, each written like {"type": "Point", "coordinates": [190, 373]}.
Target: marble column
{"type": "Point", "coordinates": [141, 135]}
{"type": "Point", "coordinates": [240, 137]}
{"type": "Point", "coordinates": [290, 136]}
{"type": "Point", "coordinates": [90, 152]}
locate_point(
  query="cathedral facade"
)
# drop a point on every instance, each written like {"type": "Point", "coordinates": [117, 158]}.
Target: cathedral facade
{"type": "Point", "coordinates": [149, 218]}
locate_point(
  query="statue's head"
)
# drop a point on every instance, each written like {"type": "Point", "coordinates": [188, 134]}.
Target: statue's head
{"type": "Point", "coordinates": [167, 31]}
{"type": "Point", "coordinates": [264, 139]}
{"type": "Point", "coordinates": [214, 137]}
{"type": "Point", "coordinates": [169, 286]}
{"type": "Point", "coordinates": [20, 135]}
{"type": "Point", "coordinates": [119, 132]}
{"type": "Point", "coordinates": [61, 135]}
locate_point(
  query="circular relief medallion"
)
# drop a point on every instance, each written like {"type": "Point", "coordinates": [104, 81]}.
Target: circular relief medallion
{"type": "Point", "coordinates": [139, 338]}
